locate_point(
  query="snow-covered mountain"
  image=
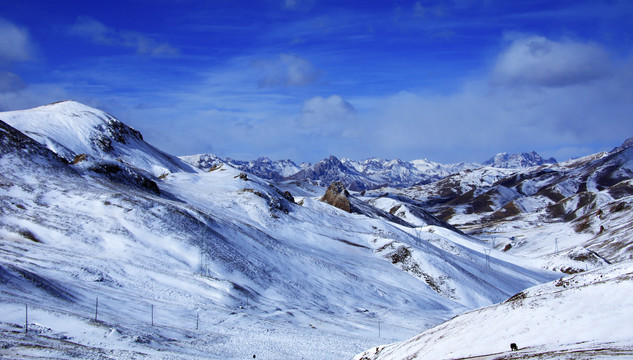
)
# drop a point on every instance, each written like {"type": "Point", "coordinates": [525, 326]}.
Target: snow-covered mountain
{"type": "Point", "coordinates": [439, 170]}
{"type": "Point", "coordinates": [625, 145]}
{"type": "Point", "coordinates": [518, 161]}
{"type": "Point", "coordinates": [263, 167]}
{"type": "Point", "coordinates": [73, 130]}
{"type": "Point", "coordinates": [583, 316]}
{"type": "Point", "coordinates": [112, 260]}
{"type": "Point", "coordinates": [376, 173]}
{"type": "Point", "coordinates": [366, 174]}
{"type": "Point", "coordinates": [395, 173]}
{"type": "Point", "coordinates": [557, 212]}
{"type": "Point", "coordinates": [204, 162]}
{"type": "Point", "coordinates": [266, 168]}
{"type": "Point", "coordinates": [329, 170]}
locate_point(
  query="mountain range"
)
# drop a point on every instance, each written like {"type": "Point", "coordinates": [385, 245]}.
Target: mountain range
{"type": "Point", "coordinates": [111, 248]}
{"type": "Point", "coordinates": [367, 174]}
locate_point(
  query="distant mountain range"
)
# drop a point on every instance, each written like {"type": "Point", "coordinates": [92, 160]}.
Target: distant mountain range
{"type": "Point", "coordinates": [367, 174]}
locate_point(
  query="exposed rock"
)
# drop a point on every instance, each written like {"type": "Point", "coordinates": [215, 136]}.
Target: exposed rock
{"type": "Point", "coordinates": [127, 175]}
{"type": "Point", "coordinates": [288, 196]}
{"type": "Point", "coordinates": [336, 195]}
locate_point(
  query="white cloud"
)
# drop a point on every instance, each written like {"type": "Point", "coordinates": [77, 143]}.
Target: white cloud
{"type": "Point", "coordinates": [331, 116]}
{"type": "Point", "coordinates": [286, 70]}
{"type": "Point", "coordinates": [15, 45]}
{"type": "Point", "coordinates": [32, 96]}
{"type": "Point", "coordinates": [536, 60]}
{"type": "Point", "coordinates": [99, 33]}
{"type": "Point", "coordinates": [549, 101]}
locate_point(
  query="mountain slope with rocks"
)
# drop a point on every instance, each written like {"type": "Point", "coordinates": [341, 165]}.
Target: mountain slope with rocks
{"type": "Point", "coordinates": [115, 261]}
{"type": "Point", "coordinates": [577, 209]}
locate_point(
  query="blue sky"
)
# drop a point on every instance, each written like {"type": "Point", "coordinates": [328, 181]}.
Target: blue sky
{"type": "Point", "coordinates": [303, 79]}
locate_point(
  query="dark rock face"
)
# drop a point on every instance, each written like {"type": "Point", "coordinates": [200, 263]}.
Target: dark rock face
{"type": "Point", "coordinates": [114, 130]}
{"type": "Point", "coordinates": [12, 141]}
{"type": "Point", "coordinates": [125, 175]}
{"type": "Point", "coordinates": [336, 195]}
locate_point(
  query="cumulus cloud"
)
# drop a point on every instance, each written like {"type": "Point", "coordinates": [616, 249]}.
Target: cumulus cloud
{"type": "Point", "coordinates": [327, 116]}
{"type": "Point", "coordinates": [535, 108]}
{"type": "Point", "coordinates": [99, 33]}
{"type": "Point", "coordinates": [286, 70]}
{"type": "Point", "coordinates": [15, 45]}
{"type": "Point", "coordinates": [539, 61]}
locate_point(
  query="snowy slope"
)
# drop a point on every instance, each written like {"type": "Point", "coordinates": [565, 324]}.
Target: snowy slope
{"type": "Point", "coordinates": [585, 316]}
{"type": "Point", "coordinates": [266, 275]}
{"type": "Point", "coordinates": [69, 129]}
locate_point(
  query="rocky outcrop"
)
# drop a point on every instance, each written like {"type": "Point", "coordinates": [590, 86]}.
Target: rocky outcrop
{"type": "Point", "coordinates": [336, 195]}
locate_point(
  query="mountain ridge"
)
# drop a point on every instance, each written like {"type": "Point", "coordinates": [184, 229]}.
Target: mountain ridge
{"type": "Point", "coordinates": [368, 174]}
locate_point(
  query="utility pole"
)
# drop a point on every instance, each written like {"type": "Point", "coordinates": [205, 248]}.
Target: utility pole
{"type": "Point", "coordinates": [97, 309]}
{"type": "Point", "coordinates": [197, 320]}
{"type": "Point", "coordinates": [152, 314]}
{"type": "Point", "coordinates": [26, 320]}
{"type": "Point", "coordinates": [488, 251]}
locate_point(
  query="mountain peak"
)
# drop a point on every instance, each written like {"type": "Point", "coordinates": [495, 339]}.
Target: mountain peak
{"type": "Point", "coordinates": [521, 160]}
{"type": "Point", "coordinates": [625, 145]}
{"type": "Point", "coordinates": [70, 128]}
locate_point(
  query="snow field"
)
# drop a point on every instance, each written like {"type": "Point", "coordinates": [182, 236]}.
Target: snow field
{"type": "Point", "coordinates": [584, 311]}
